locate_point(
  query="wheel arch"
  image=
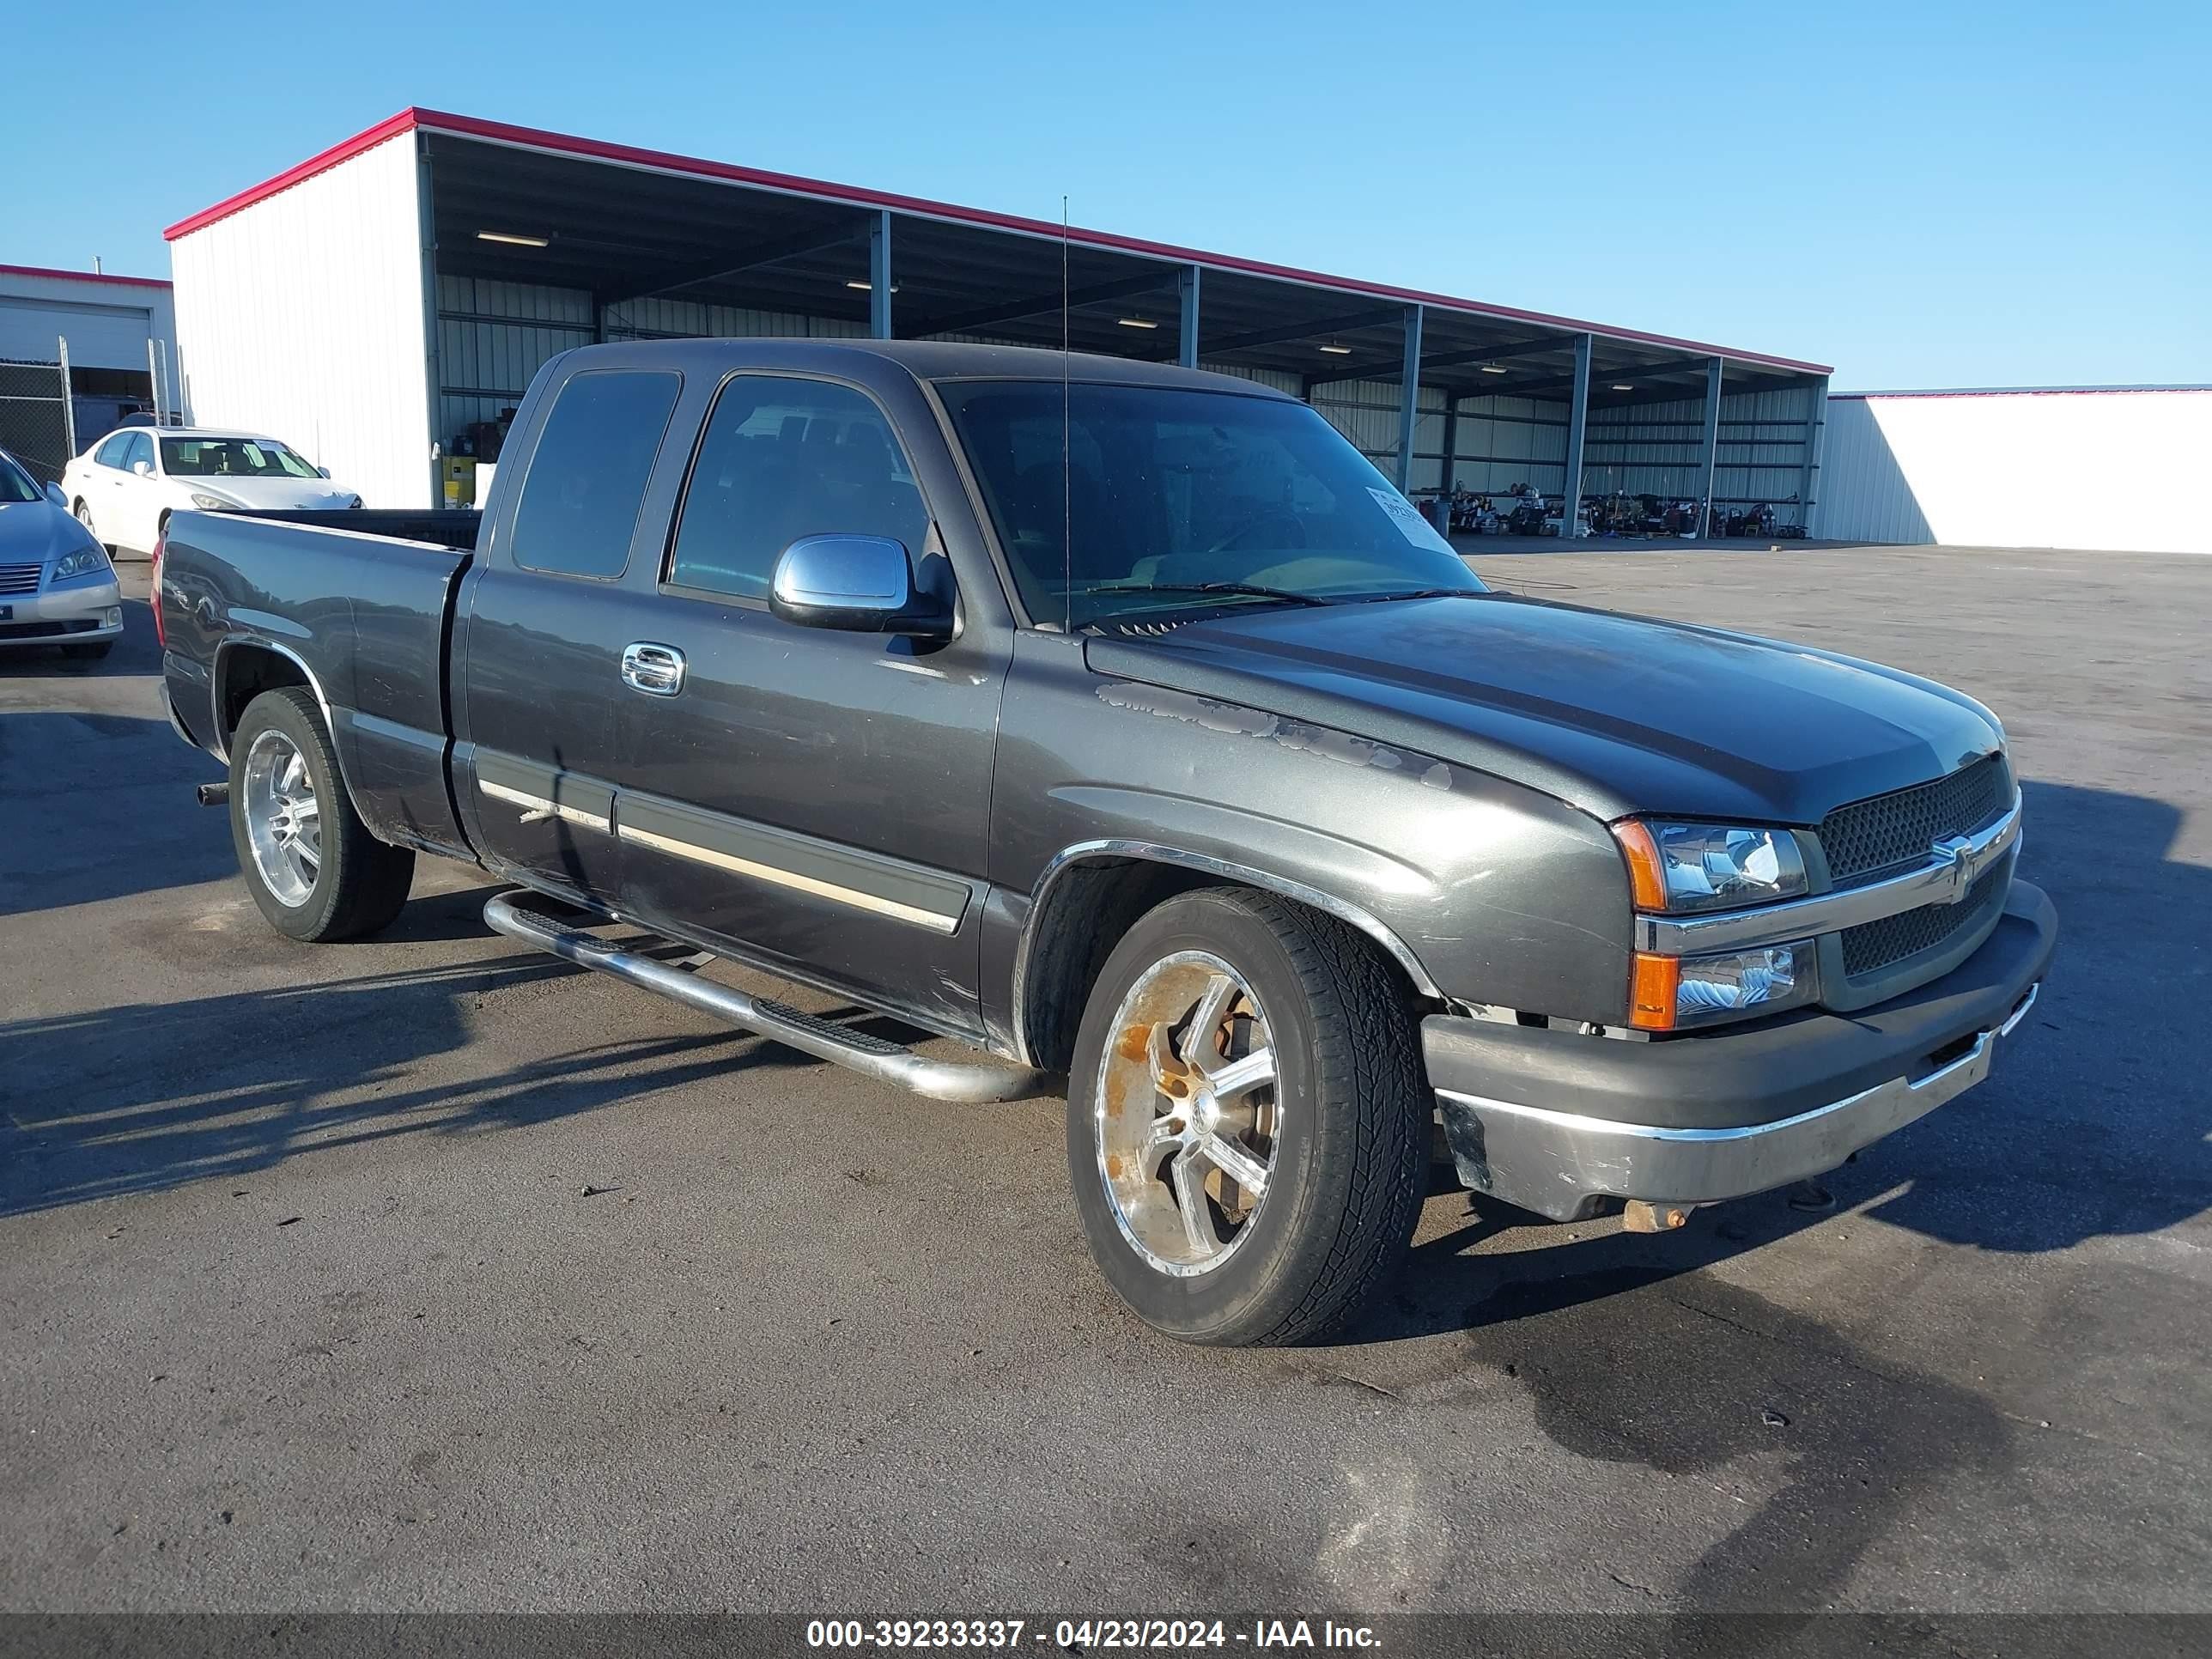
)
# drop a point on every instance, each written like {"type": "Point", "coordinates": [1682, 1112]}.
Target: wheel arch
{"type": "Point", "coordinates": [1087, 897]}
{"type": "Point", "coordinates": [243, 669]}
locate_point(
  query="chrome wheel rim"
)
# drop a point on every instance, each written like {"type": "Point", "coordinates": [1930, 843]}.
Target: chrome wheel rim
{"type": "Point", "coordinates": [84, 515]}
{"type": "Point", "coordinates": [1188, 1114]}
{"type": "Point", "coordinates": [283, 821]}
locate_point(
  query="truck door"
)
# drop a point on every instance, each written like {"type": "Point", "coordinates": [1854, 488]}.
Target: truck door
{"type": "Point", "coordinates": [537, 669]}
{"type": "Point", "coordinates": [819, 799]}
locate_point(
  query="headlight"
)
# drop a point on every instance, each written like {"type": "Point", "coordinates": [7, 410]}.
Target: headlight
{"type": "Point", "coordinates": [211, 503]}
{"type": "Point", "coordinates": [353, 502]}
{"type": "Point", "coordinates": [1679, 867]}
{"type": "Point", "coordinates": [1672, 992]}
{"type": "Point", "coordinates": [85, 561]}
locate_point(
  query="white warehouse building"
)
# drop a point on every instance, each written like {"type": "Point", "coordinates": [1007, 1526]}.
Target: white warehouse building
{"type": "Point", "coordinates": [2060, 466]}
{"type": "Point", "coordinates": [380, 305]}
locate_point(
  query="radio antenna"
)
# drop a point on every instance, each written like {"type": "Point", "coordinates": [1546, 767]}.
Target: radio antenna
{"type": "Point", "coordinates": [1067, 451]}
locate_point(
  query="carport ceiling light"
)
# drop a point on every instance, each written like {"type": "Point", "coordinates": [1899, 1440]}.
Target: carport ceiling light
{"type": "Point", "coordinates": [865, 288]}
{"type": "Point", "coordinates": [1623, 386]}
{"type": "Point", "coordinates": [1136, 322]}
{"type": "Point", "coordinates": [1336, 350]}
{"type": "Point", "coordinates": [1494, 368]}
{"type": "Point", "coordinates": [514, 240]}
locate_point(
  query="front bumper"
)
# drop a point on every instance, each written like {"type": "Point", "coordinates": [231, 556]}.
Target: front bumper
{"type": "Point", "coordinates": [65, 616]}
{"type": "Point", "coordinates": [1694, 1120]}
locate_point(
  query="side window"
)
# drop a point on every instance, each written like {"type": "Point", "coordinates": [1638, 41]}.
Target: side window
{"type": "Point", "coordinates": [141, 449]}
{"type": "Point", "coordinates": [587, 476]}
{"type": "Point", "coordinates": [110, 452]}
{"type": "Point", "coordinates": [783, 458]}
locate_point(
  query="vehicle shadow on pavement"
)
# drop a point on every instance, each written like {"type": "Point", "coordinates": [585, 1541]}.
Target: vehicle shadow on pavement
{"type": "Point", "coordinates": [2093, 1123]}
{"type": "Point", "coordinates": [74, 785]}
{"type": "Point", "coordinates": [145, 1096]}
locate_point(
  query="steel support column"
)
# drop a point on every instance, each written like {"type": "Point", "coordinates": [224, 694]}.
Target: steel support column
{"type": "Point", "coordinates": [1186, 345]}
{"type": "Point", "coordinates": [880, 277]}
{"type": "Point", "coordinates": [1451, 440]}
{"type": "Point", "coordinates": [1710, 451]}
{"type": "Point", "coordinates": [1578, 428]}
{"type": "Point", "coordinates": [1808, 477]}
{"type": "Point", "coordinates": [1409, 397]}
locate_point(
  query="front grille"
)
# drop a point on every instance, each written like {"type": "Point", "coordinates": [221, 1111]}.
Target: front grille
{"type": "Point", "coordinates": [1874, 945]}
{"type": "Point", "coordinates": [1869, 839]}
{"type": "Point", "coordinates": [19, 578]}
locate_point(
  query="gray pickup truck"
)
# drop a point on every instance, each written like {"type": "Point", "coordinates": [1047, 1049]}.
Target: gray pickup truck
{"type": "Point", "coordinates": [1123, 723]}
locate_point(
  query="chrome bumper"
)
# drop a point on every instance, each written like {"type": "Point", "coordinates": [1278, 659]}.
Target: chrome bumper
{"type": "Point", "coordinates": [1560, 1164]}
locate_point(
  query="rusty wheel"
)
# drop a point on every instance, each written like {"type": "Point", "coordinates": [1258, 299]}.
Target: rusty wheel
{"type": "Point", "coordinates": [1187, 1113]}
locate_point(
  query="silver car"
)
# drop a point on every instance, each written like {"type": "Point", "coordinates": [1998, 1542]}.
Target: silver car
{"type": "Point", "coordinates": [57, 586]}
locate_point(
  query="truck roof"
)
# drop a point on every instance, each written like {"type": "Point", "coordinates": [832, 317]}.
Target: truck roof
{"type": "Point", "coordinates": [932, 360]}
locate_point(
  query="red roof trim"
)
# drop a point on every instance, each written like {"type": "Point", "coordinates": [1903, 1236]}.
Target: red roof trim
{"type": "Point", "coordinates": [345, 150]}
{"type": "Point", "coordinates": [82, 276]}
{"type": "Point", "coordinates": [2023, 391]}
{"type": "Point", "coordinates": [469, 127]}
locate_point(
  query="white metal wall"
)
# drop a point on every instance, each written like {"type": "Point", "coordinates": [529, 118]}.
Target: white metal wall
{"type": "Point", "coordinates": [107, 323]}
{"type": "Point", "coordinates": [301, 317]}
{"type": "Point", "coordinates": [2019, 469]}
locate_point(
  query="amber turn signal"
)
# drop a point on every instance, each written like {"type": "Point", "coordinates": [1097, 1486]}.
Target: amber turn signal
{"type": "Point", "coordinates": [1653, 984]}
{"type": "Point", "coordinates": [1647, 882]}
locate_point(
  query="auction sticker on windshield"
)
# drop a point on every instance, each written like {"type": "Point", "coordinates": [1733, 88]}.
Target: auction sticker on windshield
{"type": "Point", "coordinates": [1408, 517]}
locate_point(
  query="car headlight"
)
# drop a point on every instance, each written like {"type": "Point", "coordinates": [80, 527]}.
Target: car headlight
{"type": "Point", "coordinates": [1672, 992]}
{"type": "Point", "coordinates": [85, 561]}
{"type": "Point", "coordinates": [1678, 867]}
{"type": "Point", "coordinates": [353, 502]}
{"type": "Point", "coordinates": [211, 503]}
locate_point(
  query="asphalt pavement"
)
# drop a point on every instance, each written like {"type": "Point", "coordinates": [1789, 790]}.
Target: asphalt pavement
{"type": "Point", "coordinates": [430, 1273]}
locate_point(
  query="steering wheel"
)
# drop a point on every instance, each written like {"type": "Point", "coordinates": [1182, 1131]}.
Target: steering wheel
{"type": "Point", "coordinates": [1282, 516]}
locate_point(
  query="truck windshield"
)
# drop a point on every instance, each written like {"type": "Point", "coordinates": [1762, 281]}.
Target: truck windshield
{"type": "Point", "coordinates": [1161, 499]}
{"type": "Point", "coordinates": [231, 458]}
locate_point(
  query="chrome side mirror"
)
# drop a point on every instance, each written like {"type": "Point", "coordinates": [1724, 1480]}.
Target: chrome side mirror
{"type": "Point", "coordinates": [58, 496]}
{"type": "Point", "coordinates": [143, 469]}
{"type": "Point", "coordinates": [859, 584]}
{"type": "Point", "coordinates": [322, 472]}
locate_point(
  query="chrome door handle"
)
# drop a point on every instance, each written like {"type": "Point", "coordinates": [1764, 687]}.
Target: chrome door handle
{"type": "Point", "coordinates": [655, 670]}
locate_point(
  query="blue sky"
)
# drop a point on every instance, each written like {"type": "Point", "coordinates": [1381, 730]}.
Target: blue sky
{"type": "Point", "coordinates": [1924, 195]}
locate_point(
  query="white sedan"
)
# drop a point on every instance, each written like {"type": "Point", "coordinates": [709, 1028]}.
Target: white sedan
{"type": "Point", "coordinates": [125, 488]}
{"type": "Point", "coordinates": [57, 586]}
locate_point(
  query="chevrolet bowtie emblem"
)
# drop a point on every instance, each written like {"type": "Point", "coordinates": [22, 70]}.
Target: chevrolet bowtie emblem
{"type": "Point", "coordinates": [1952, 851]}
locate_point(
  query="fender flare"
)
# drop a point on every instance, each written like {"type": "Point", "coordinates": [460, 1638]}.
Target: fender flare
{"type": "Point", "coordinates": [216, 683]}
{"type": "Point", "coordinates": [1159, 853]}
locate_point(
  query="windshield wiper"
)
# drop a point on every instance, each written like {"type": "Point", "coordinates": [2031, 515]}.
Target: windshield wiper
{"type": "Point", "coordinates": [1286, 595]}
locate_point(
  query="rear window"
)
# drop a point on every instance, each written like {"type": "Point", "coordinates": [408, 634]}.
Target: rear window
{"type": "Point", "coordinates": [587, 476]}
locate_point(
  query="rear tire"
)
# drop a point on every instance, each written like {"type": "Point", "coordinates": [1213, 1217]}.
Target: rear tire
{"type": "Point", "coordinates": [1332, 1127]}
{"type": "Point", "coordinates": [314, 868]}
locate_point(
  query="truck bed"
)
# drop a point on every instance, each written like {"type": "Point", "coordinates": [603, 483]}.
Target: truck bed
{"type": "Point", "coordinates": [362, 604]}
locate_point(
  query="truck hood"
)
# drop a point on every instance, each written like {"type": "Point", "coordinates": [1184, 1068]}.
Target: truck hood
{"type": "Point", "coordinates": [271, 495]}
{"type": "Point", "coordinates": [1612, 714]}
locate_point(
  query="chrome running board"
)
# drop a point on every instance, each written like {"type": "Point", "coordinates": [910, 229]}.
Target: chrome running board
{"type": "Point", "coordinates": [970, 1082]}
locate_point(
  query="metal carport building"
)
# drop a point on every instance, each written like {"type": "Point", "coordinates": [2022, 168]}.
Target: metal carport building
{"type": "Point", "coordinates": [375, 300]}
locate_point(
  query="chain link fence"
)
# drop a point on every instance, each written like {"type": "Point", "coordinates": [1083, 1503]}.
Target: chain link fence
{"type": "Point", "coordinates": [36, 426]}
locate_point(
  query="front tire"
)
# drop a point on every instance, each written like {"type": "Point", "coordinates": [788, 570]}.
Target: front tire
{"type": "Point", "coordinates": [1248, 1129]}
{"type": "Point", "coordinates": [312, 867]}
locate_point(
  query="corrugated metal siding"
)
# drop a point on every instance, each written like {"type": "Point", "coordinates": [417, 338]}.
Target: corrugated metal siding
{"type": "Point", "coordinates": [1654, 448]}
{"type": "Point", "coordinates": [301, 317]}
{"type": "Point", "coordinates": [2071, 470]}
{"type": "Point", "coordinates": [495, 336]}
{"type": "Point", "coordinates": [1500, 441]}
